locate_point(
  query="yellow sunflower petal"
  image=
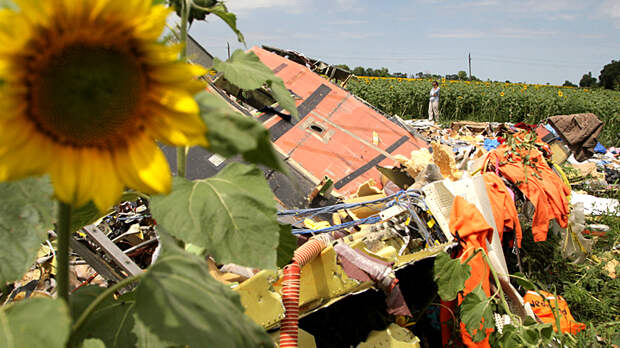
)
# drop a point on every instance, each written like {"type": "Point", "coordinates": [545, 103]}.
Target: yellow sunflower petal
{"type": "Point", "coordinates": [151, 166]}
{"type": "Point", "coordinates": [155, 53]}
{"type": "Point", "coordinates": [177, 100]}
{"type": "Point", "coordinates": [125, 171]}
{"type": "Point", "coordinates": [64, 173]}
{"type": "Point", "coordinates": [86, 187]}
{"type": "Point", "coordinates": [143, 167]}
{"type": "Point", "coordinates": [18, 162]}
{"type": "Point", "coordinates": [36, 11]}
{"type": "Point", "coordinates": [151, 28]}
{"type": "Point", "coordinates": [95, 9]}
{"type": "Point", "coordinates": [13, 31]}
{"type": "Point", "coordinates": [109, 185]}
{"type": "Point", "coordinates": [177, 72]}
{"type": "Point", "coordinates": [164, 130]}
{"type": "Point", "coordinates": [38, 139]}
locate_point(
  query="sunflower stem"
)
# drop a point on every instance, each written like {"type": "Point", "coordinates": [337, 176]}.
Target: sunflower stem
{"type": "Point", "coordinates": [182, 150]}
{"type": "Point", "coordinates": [181, 161]}
{"type": "Point", "coordinates": [185, 8]}
{"type": "Point", "coordinates": [63, 233]}
{"type": "Point", "coordinates": [107, 293]}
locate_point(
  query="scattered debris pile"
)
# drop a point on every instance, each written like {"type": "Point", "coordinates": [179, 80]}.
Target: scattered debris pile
{"type": "Point", "coordinates": [379, 199]}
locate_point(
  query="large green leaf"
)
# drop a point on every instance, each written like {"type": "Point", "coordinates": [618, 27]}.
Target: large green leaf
{"type": "Point", "coordinates": [477, 313]}
{"type": "Point", "coordinates": [38, 322]}
{"type": "Point", "coordinates": [112, 321]}
{"type": "Point", "coordinates": [179, 301]}
{"type": "Point", "coordinates": [230, 133]}
{"type": "Point", "coordinates": [26, 213]}
{"type": "Point", "coordinates": [146, 338]}
{"type": "Point", "coordinates": [246, 71]}
{"type": "Point", "coordinates": [450, 276]}
{"type": "Point", "coordinates": [232, 215]}
{"type": "Point", "coordinates": [286, 245]}
{"type": "Point", "coordinates": [220, 10]}
{"type": "Point", "coordinates": [93, 343]}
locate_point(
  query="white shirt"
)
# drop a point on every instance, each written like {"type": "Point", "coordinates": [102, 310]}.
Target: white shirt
{"type": "Point", "coordinates": [434, 94]}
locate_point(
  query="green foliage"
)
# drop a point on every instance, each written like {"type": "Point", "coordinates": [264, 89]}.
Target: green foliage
{"type": "Point", "coordinates": [587, 80]}
{"type": "Point", "coordinates": [588, 289]}
{"type": "Point", "coordinates": [450, 276]}
{"type": "Point", "coordinates": [230, 133]}
{"type": "Point", "coordinates": [195, 12]}
{"type": "Point", "coordinates": [231, 214]}
{"type": "Point", "coordinates": [530, 334]}
{"type": "Point", "coordinates": [26, 212]}
{"type": "Point", "coordinates": [201, 8]}
{"type": "Point", "coordinates": [246, 71]}
{"type": "Point", "coordinates": [610, 75]}
{"type": "Point", "coordinates": [569, 84]}
{"type": "Point", "coordinates": [111, 322]}
{"type": "Point", "coordinates": [491, 101]}
{"type": "Point", "coordinates": [477, 313]}
{"type": "Point", "coordinates": [34, 323]}
{"type": "Point", "coordinates": [220, 10]}
{"type": "Point", "coordinates": [523, 281]}
{"type": "Point", "coordinates": [286, 245]}
{"type": "Point", "coordinates": [93, 343]}
{"type": "Point", "coordinates": [146, 338]}
{"type": "Point", "coordinates": [179, 301]}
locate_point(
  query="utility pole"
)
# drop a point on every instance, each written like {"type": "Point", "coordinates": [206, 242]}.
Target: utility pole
{"type": "Point", "coordinates": [228, 47]}
{"type": "Point", "coordinates": [469, 55]}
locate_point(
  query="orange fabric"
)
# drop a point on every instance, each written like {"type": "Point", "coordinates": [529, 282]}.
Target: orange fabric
{"type": "Point", "coordinates": [544, 310]}
{"type": "Point", "coordinates": [548, 194]}
{"type": "Point", "coordinates": [471, 226]}
{"type": "Point", "coordinates": [503, 206]}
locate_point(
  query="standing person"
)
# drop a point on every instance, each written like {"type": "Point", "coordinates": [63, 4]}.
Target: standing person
{"type": "Point", "coordinates": [433, 103]}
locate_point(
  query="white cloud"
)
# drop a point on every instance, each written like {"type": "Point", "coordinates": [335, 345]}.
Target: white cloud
{"type": "Point", "coordinates": [246, 5]}
{"type": "Point", "coordinates": [507, 33]}
{"type": "Point", "coordinates": [357, 35]}
{"type": "Point", "coordinates": [516, 33]}
{"type": "Point", "coordinates": [611, 9]}
{"type": "Point", "coordinates": [350, 22]}
{"type": "Point", "coordinates": [459, 35]}
{"type": "Point", "coordinates": [346, 4]}
{"type": "Point", "coordinates": [553, 6]}
{"type": "Point", "coordinates": [478, 3]}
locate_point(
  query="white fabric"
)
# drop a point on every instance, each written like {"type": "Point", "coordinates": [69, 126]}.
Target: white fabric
{"type": "Point", "coordinates": [434, 93]}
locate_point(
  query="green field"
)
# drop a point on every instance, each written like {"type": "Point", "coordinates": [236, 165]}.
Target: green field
{"type": "Point", "coordinates": [491, 101]}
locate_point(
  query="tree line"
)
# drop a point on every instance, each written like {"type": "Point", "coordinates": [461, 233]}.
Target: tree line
{"type": "Point", "coordinates": [385, 72]}
{"type": "Point", "coordinates": [609, 77]}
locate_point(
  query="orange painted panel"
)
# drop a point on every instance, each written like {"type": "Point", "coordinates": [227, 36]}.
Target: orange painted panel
{"type": "Point", "coordinates": [332, 152]}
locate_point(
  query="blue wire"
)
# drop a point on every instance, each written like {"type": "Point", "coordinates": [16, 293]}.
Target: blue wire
{"type": "Point", "coordinates": [369, 220]}
{"type": "Point", "coordinates": [341, 206]}
{"type": "Point", "coordinates": [391, 200]}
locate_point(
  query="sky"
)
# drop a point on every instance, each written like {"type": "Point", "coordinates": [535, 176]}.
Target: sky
{"type": "Point", "coordinates": [532, 41]}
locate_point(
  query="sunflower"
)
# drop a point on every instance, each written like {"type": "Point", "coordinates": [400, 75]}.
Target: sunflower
{"type": "Point", "coordinates": [560, 94]}
{"type": "Point", "coordinates": [87, 90]}
{"type": "Point", "coordinates": [501, 94]}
